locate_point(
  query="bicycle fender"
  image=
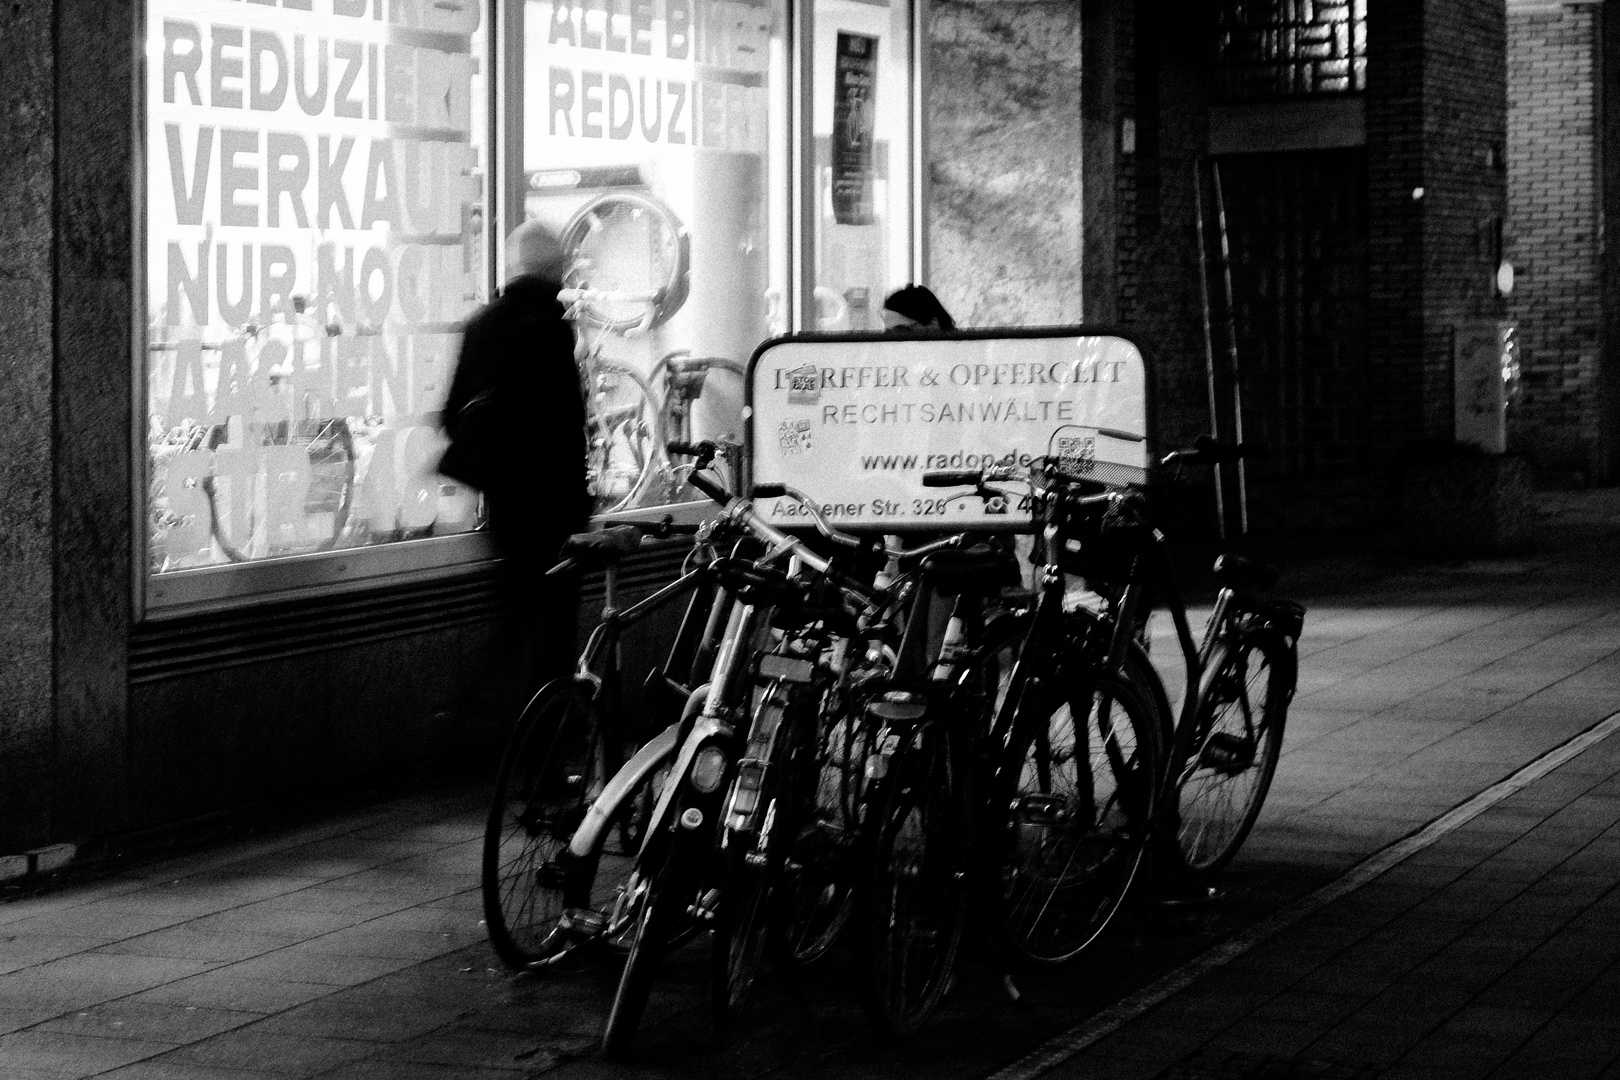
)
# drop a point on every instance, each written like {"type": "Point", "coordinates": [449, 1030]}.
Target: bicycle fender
{"type": "Point", "coordinates": [632, 773]}
{"type": "Point", "coordinates": [704, 730]}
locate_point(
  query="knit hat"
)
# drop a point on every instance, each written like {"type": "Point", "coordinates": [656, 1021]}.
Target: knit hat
{"type": "Point", "coordinates": [917, 303]}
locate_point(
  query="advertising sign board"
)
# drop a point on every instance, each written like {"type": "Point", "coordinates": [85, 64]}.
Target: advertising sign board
{"type": "Point", "coordinates": [854, 421]}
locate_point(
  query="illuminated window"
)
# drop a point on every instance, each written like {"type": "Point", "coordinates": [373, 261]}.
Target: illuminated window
{"type": "Point", "coordinates": [1267, 49]}
{"type": "Point", "coordinates": [655, 143]}
{"type": "Point", "coordinates": [317, 200]}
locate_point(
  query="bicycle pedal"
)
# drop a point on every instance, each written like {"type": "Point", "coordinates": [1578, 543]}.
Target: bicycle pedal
{"type": "Point", "coordinates": [703, 910]}
{"type": "Point", "coordinates": [1227, 753]}
{"type": "Point", "coordinates": [583, 924]}
{"type": "Point", "coordinates": [553, 875]}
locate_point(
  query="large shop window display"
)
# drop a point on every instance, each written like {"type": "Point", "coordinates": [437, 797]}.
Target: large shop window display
{"type": "Point", "coordinates": [655, 144]}
{"type": "Point", "coordinates": [316, 228]}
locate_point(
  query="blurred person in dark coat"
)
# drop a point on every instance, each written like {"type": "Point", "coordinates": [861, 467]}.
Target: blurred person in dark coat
{"type": "Point", "coordinates": [515, 417]}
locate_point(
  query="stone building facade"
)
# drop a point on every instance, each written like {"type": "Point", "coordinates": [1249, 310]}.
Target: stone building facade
{"type": "Point", "coordinates": [1077, 159]}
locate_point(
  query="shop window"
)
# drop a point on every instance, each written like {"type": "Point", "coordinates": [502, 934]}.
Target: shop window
{"type": "Point", "coordinates": [655, 142]}
{"type": "Point", "coordinates": [316, 224]}
{"type": "Point", "coordinates": [863, 160]}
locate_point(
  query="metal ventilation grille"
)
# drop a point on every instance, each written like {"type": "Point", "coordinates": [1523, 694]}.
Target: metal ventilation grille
{"type": "Point", "coordinates": [275, 630]}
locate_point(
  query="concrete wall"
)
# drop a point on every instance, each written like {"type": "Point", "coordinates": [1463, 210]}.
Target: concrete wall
{"type": "Point", "coordinates": [27, 235]}
{"type": "Point", "coordinates": [1004, 146]}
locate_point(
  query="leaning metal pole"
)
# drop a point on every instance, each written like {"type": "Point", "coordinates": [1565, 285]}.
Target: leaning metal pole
{"type": "Point", "coordinates": [1232, 351]}
{"type": "Point", "coordinates": [1209, 341]}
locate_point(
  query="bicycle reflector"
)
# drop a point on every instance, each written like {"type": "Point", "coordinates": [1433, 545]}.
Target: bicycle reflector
{"type": "Point", "coordinates": [708, 769]}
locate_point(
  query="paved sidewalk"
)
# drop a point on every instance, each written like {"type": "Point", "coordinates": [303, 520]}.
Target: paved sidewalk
{"type": "Point", "coordinates": [353, 948]}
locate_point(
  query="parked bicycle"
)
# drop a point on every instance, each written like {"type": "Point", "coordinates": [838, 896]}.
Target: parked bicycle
{"type": "Point", "coordinates": [1073, 788]}
{"type": "Point", "coordinates": [1095, 520]}
{"type": "Point", "coordinates": [578, 774]}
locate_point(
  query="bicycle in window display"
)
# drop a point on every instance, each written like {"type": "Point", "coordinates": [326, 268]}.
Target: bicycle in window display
{"type": "Point", "coordinates": [629, 274]}
{"type": "Point", "coordinates": [293, 446]}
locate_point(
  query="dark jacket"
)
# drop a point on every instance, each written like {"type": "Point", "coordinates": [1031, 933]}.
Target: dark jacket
{"type": "Point", "coordinates": [516, 416]}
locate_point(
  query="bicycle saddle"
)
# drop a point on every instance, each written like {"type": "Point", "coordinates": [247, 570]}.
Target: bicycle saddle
{"type": "Point", "coordinates": [978, 569]}
{"type": "Point", "coordinates": [1242, 574]}
{"type": "Point", "coordinates": [596, 550]}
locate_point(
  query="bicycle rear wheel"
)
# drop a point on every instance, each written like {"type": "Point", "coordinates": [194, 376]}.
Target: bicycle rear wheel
{"type": "Point", "coordinates": [1223, 777]}
{"type": "Point", "coordinates": [913, 903]}
{"type": "Point", "coordinates": [1075, 793]}
{"type": "Point", "coordinates": [555, 764]}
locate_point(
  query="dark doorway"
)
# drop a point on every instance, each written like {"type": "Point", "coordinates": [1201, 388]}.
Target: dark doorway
{"type": "Point", "coordinates": [1297, 228]}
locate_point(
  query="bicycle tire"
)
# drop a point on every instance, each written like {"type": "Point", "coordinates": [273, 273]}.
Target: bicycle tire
{"type": "Point", "coordinates": [329, 444]}
{"type": "Point", "coordinates": [626, 435]}
{"type": "Point", "coordinates": [913, 901]}
{"type": "Point", "coordinates": [555, 763]}
{"type": "Point", "coordinates": [629, 241]}
{"type": "Point", "coordinates": [814, 897]}
{"type": "Point", "coordinates": [1226, 770]}
{"type": "Point", "coordinates": [657, 901]}
{"type": "Point", "coordinates": [1076, 789]}
{"type": "Point", "coordinates": [752, 855]}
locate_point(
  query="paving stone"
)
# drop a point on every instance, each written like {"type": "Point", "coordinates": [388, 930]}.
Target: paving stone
{"type": "Point", "coordinates": [72, 1054]}
{"type": "Point", "coordinates": [299, 963]}
{"type": "Point", "coordinates": [25, 950]}
{"type": "Point", "coordinates": [184, 943]}
{"type": "Point", "coordinates": [248, 994]}
{"type": "Point", "coordinates": [160, 1069]}
{"type": "Point", "coordinates": [365, 1018]}
{"type": "Point", "coordinates": [149, 1020]}
{"type": "Point", "coordinates": [246, 1048]}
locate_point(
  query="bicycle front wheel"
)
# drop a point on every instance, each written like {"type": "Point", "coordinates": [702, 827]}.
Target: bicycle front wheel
{"type": "Point", "coordinates": [555, 764]}
{"type": "Point", "coordinates": [1075, 795]}
{"type": "Point", "coordinates": [626, 435]}
{"type": "Point", "coordinates": [655, 906]}
{"type": "Point", "coordinates": [914, 897]}
{"type": "Point", "coordinates": [1222, 780]}
{"type": "Point", "coordinates": [764, 819]}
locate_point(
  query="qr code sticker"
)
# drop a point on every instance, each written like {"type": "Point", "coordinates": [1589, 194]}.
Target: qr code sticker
{"type": "Point", "coordinates": [1077, 453]}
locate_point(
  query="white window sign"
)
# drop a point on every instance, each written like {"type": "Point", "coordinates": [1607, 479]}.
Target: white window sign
{"type": "Point", "coordinates": [316, 223]}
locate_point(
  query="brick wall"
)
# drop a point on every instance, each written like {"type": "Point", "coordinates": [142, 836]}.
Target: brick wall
{"type": "Point", "coordinates": [1553, 237]}
{"type": "Point", "coordinates": [1436, 120]}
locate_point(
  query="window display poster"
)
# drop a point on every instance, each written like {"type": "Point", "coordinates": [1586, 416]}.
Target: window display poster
{"type": "Point", "coordinates": [858, 423]}
{"type": "Point", "coordinates": [854, 107]}
{"type": "Point", "coordinates": [316, 208]}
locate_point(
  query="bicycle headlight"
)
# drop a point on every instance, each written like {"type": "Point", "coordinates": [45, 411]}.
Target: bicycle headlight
{"type": "Point", "coordinates": [708, 769]}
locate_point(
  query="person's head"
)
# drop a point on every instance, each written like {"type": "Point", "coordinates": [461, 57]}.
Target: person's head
{"type": "Point", "coordinates": [534, 251]}
{"type": "Point", "coordinates": [914, 307]}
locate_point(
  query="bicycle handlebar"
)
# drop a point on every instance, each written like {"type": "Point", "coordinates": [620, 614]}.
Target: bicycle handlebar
{"type": "Point", "coordinates": [1208, 450]}
{"type": "Point", "coordinates": [571, 297]}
